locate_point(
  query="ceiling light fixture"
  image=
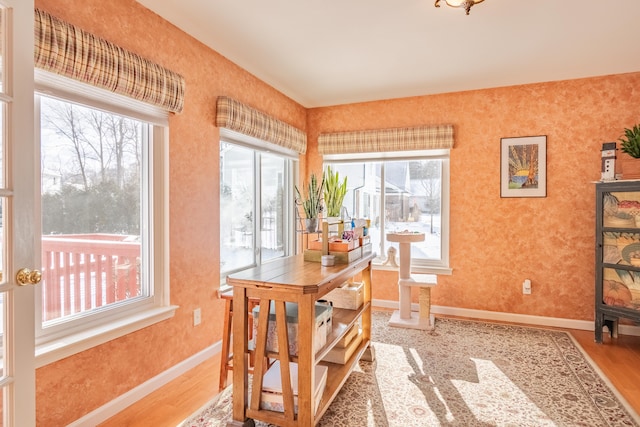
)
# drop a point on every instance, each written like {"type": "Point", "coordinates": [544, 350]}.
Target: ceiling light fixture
{"type": "Point", "coordinates": [466, 4]}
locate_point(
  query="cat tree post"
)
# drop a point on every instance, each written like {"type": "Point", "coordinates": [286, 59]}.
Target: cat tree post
{"type": "Point", "coordinates": [404, 317]}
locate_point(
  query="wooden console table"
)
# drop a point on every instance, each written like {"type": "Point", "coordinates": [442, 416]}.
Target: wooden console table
{"type": "Point", "coordinates": [293, 279]}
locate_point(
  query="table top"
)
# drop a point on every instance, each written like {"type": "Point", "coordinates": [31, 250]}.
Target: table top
{"type": "Point", "coordinates": [297, 275]}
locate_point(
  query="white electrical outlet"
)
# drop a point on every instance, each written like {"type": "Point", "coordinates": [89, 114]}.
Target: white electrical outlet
{"type": "Point", "coordinates": [526, 287]}
{"type": "Point", "coordinates": [197, 317]}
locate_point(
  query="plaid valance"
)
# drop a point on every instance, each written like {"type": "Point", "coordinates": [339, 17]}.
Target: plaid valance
{"type": "Point", "coordinates": [234, 115]}
{"type": "Point", "coordinates": [69, 51]}
{"type": "Point", "coordinates": [380, 140]}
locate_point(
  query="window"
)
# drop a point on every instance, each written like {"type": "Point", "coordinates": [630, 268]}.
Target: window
{"type": "Point", "coordinates": [397, 194]}
{"type": "Point", "coordinates": [256, 206]}
{"type": "Point", "coordinates": [103, 212]}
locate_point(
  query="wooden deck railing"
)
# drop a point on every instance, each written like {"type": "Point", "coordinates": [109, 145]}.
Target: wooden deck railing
{"type": "Point", "coordinates": [87, 271]}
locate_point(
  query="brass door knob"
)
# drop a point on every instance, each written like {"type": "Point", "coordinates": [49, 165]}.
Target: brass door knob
{"type": "Point", "coordinates": [28, 277]}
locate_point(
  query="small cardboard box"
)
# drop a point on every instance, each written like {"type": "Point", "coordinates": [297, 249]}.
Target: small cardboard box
{"type": "Point", "coordinates": [350, 296]}
{"type": "Point", "coordinates": [341, 355]}
{"type": "Point", "coordinates": [327, 314]}
{"type": "Point", "coordinates": [324, 315]}
{"type": "Point", "coordinates": [271, 396]}
{"type": "Point", "coordinates": [315, 245]}
{"type": "Point", "coordinates": [340, 257]}
{"type": "Point", "coordinates": [335, 246]}
{"type": "Point", "coordinates": [366, 249]}
{"type": "Point", "coordinates": [348, 336]}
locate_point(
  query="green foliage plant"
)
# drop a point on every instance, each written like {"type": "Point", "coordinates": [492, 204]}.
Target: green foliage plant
{"type": "Point", "coordinates": [631, 142]}
{"type": "Point", "coordinates": [334, 192]}
{"type": "Point", "coordinates": [311, 200]}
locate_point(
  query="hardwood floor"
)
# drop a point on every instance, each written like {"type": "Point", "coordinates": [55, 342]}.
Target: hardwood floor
{"type": "Point", "coordinates": [618, 359]}
{"type": "Point", "coordinates": [173, 403]}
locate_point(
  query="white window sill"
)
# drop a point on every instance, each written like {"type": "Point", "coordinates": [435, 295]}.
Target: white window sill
{"type": "Point", "coordinates": [69, 345]}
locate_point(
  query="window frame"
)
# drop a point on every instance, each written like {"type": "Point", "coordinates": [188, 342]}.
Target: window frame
{"type": "Point", "coordinates": [90, 330]}
{"type": "Point", "coordinates": [442, 265]}
{"type": "Point", "coordinates": [260, 147]}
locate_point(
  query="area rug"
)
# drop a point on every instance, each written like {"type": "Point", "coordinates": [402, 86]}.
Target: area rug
{"type": "Point", "coordinates": [465, 373]}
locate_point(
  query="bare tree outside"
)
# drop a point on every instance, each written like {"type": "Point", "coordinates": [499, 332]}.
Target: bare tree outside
{"type": "Point", "coordinates": [91, 170]}
{"type": "Point", "coordinates": [124, 134]}
{"type": "Point", "coordinates": [64, 121]}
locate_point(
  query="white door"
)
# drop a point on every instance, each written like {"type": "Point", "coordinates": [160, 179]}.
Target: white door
{"type": "Point", "coordinates": [19, 246]}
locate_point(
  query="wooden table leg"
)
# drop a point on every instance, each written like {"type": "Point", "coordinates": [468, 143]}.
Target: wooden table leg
{"type": "Point", "coordinates": [306, 359]}
{"type": "Point", "coordinates": [240, 360]}
{"type": "Point", "coordinates": [369, 354]}
{"type": "Point", "coordinates": [283, 355]}
{"type": "Point", "coordinates": [226, 345]}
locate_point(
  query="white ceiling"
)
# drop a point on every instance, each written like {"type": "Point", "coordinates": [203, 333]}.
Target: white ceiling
{"type": "Point", "coordinates": [330, 52]}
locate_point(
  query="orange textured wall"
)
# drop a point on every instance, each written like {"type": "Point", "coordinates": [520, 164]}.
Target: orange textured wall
{"type": "Point", "coordinates": [72, 387]}
{"type": "Point", "coordinates": [498, 242]}
{"type": "Point", "coordinates": [495, 243]}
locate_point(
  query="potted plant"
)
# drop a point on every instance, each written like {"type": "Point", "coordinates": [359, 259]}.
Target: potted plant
{"type": "Point", "coordinates": [334, 192]}
{"type": "Point", "coordinates": [311, 202]}
{"type": "Point", "coordinates": [630, 145]}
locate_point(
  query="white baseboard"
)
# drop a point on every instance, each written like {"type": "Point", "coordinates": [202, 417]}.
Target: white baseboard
{"type": "Point", "coordinates": [557, 322]}
{"type": "Point", "coordinates": [125, 400]}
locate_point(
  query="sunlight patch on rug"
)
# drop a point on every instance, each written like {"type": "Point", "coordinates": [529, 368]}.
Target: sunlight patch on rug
{"type": "Point", "coordinates": [496, 399]}
{"type": "Point", "coordinates": [464, 373]}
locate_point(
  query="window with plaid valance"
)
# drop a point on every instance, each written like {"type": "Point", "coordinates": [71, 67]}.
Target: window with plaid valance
{"type": "Point", "coordinates": [386, 140]}
{"type": "Point", "coordinates": [72, 52]}
{"type": "Point", "coordinates": [241, 118]}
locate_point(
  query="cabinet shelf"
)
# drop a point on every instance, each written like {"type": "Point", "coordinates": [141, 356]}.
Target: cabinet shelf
{"type": "Point", "coordinates": [620, 230]}
{"type": "Point", "coordinates": [621, 267]}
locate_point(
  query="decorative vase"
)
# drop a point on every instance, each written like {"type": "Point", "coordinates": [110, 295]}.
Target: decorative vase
{"type": "Point", "coordinates": [311, 225]}
{"type": "Point", "coordinates": [630, 166]}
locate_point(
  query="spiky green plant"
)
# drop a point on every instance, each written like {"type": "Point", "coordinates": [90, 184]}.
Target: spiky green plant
{"type": "Point", "coordinates": [311, 201]}
{"type": "Point", "coordinates": [631, 142]}
{"type": "Point", "coordinates": [334, 192]}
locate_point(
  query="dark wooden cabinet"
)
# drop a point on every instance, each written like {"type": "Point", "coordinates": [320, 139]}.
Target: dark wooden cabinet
{"type": "Point", "coordinates": [617, 254]}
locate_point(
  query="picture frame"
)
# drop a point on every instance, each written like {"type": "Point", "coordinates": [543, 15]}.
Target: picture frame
{"type": "Point", "coordinates": [523, 166]}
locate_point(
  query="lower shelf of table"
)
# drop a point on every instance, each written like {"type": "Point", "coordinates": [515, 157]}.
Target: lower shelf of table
{"type": "Point", "coordinates": [337, 374]}
{"type": "Point", "coordinates": [336, 377]}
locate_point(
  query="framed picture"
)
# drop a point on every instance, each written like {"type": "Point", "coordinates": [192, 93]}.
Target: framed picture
{"type": "Point", "coordinates": [523, 166]}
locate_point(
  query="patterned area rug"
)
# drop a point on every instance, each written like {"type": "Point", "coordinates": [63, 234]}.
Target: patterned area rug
{"type": "Point", "coordinates": [465, 373]}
